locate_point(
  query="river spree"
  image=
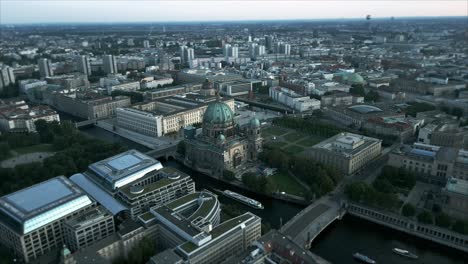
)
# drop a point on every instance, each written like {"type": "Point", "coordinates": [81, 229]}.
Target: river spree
{"type": "Point", "coordinates": [339, 241]}
{"type": "Point", "coordinates": [343, 238]}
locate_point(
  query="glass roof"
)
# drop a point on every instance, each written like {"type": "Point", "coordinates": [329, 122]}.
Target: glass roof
{"type": "Point", "coordinates": [124, 162]}
{"type": "Point", "coordinates": [365, 109]}
{"type": "Point", "coordinates": [39, 195]}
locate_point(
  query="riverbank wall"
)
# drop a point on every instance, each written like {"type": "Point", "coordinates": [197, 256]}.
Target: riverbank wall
{"type": "Point", "coordinates": [430, 232]}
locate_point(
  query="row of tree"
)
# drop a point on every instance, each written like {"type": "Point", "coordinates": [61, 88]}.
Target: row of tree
{"type": "Point", "coordinates": [75, 151]}
{"type": "Point", "coordinates": [362, 192]}
{"type": "Point", "coordinates": [436, 217]}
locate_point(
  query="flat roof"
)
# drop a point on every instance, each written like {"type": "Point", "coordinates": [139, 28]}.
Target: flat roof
{"type": "Point", "coordinates": [457, 186]}
{"type": "Point", "coordinates": [42, 203]}
{"type": "Point", "coordinates": [33, 198]}
{"type": "Point", "coordinates": [124, 165]}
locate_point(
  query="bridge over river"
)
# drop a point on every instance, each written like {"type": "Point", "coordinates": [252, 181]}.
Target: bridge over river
{"type": "Point", "coordinates": [307, 225]}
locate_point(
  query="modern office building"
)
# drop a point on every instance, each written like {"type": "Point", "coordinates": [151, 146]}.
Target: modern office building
{"type": "Point", "coordinates": [146, 44]}
{"type": "Point", "coordinates": [124, 168]}
{"type": "Point", "coordinates": [431, 163]}
{"type": "Point", "coordinates": [155, 189]}
{"type": "Point", "coordinates": [109, 64]}
{"type": "Point", "coordinates": [293, 100]}
{"type": "Point", "coordinates": [7, 77]}
{"type": "Point", "coordinates": [45, 69]}
{"type": "Point", "coordinates": [83, 65]}
{"type": "Point", "coordinates": [87, 228]}
{"type": "Point", "coordinates": [346, 152]}
{"type": "Point", "coordinates": [208, 245]}
{"type": "Point", "coordinates": [32, 219]}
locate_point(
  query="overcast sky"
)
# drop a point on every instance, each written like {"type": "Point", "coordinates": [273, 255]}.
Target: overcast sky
{"type": "Point", "coordinates": [39, 11]}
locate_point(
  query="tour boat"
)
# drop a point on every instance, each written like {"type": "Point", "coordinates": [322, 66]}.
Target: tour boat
{"type": "Point", "coordinates": [243, 199]}
{"type": "Point", "coordinates": [404, 253]}
{"type": "Point", "coordinates": [363, 258]}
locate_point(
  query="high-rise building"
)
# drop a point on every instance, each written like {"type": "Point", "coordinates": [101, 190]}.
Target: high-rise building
{"type": "Point", "coordinates": [45, 69]}
{"type": "Point", "coordinates": [109, 64]}
{"type": "Point", "coordinates": [269, 42]}
{"type": "Point", "coordinates": [146, 44]}
{"type": "Point", "coordinates": [7, 77]}
{"type": "Point", "coordinates": [83, 65]}
{"type": "Point", "coordinates": [186, 54]}
{"type": "Point", "coordinates": [256, 50]}
{"type": "Point", "coordinates": [282, 48]}
{"type": "Point", "coordinates": [230, 51]}
{"type": "Point", "coordinates": [31, 219]}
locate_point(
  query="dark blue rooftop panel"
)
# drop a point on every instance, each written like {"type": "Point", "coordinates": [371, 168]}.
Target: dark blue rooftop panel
{"type": "Point", "coordinates": [422, 152]}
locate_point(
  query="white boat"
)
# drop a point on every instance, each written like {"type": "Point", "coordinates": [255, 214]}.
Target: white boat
{"type": "Point", "coordinates": [363, 258]}
{"type": "Point", "coordinates": [243, 199]}
{"type": "Point", "coordinates": [404, 253]}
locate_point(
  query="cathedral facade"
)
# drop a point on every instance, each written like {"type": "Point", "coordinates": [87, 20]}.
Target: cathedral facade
{"type": "Point", "coordinates": [222, 145]}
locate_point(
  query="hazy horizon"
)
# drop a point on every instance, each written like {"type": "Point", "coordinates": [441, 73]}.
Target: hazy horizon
{"type": "Point", "coordinates": [106, 11]}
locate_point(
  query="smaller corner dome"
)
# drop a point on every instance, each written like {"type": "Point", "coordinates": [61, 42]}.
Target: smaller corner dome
{"type": "Point", "coordinates": [221, 138]}
{"type": "Point", "coordinates": [254, 122]}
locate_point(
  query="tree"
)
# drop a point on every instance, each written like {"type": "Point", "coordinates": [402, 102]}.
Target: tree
{"type": "Point", "coordinates": [443, 220]}
{"type": "Point", "coordinates": [229, 175]}
{"type": "Point", "coordinates": [461, 227]}
{"type": "Point", "coordinates": [408, 210]}
{"type": "Point", "coordinates": [425, 217]}
{"type": "Point", "coordinates": [181, 148]}
{"type": "Point", "coordinates": [4, 150]}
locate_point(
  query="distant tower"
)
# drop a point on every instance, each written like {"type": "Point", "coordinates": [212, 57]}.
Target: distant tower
{"type": "Point", "coordinates": [146, 44]}
{"type": "Point", "coordinates": [368, 19]}
{"type": "Point", "coordinates": [45, 69]}
{"type": "Point", "coordinates": [269, 42]}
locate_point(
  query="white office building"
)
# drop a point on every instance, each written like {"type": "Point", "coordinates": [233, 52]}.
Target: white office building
{"type": "Point", "coordinates": [294, 100]}
{"type": "Point", "coordinates": [146, 123]}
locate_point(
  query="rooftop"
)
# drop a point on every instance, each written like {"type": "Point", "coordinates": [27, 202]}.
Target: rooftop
{"type": "Point", "coordinates": [125, 167]}
{"type": "Point", "coordinates": [24, 205]}
{"type": "Point", "coordinates": [169, 175]}
{"type": "Point", "coordinates": [346, 143]}
{"type": "Point", "coordinates": [457, 186]}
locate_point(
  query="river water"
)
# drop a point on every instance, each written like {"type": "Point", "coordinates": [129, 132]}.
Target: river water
{"type": "Point", "coordinates": [339, 241]}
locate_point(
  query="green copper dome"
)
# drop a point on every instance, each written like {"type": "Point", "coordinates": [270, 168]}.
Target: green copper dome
{"type": "Point", "coordinates": [218, 113]}
{"type": "Point", "coordinates": [254, 122]}
{"type": "Point", "coordinates": [353, 78]}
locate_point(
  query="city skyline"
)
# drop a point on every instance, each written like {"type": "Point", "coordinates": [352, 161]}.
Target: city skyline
{"type": "Point", "coordinates": [71, 11]}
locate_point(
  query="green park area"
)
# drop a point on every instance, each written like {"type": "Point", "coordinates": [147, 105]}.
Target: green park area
{"type": "Point", "coordinates": [282, 182]}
